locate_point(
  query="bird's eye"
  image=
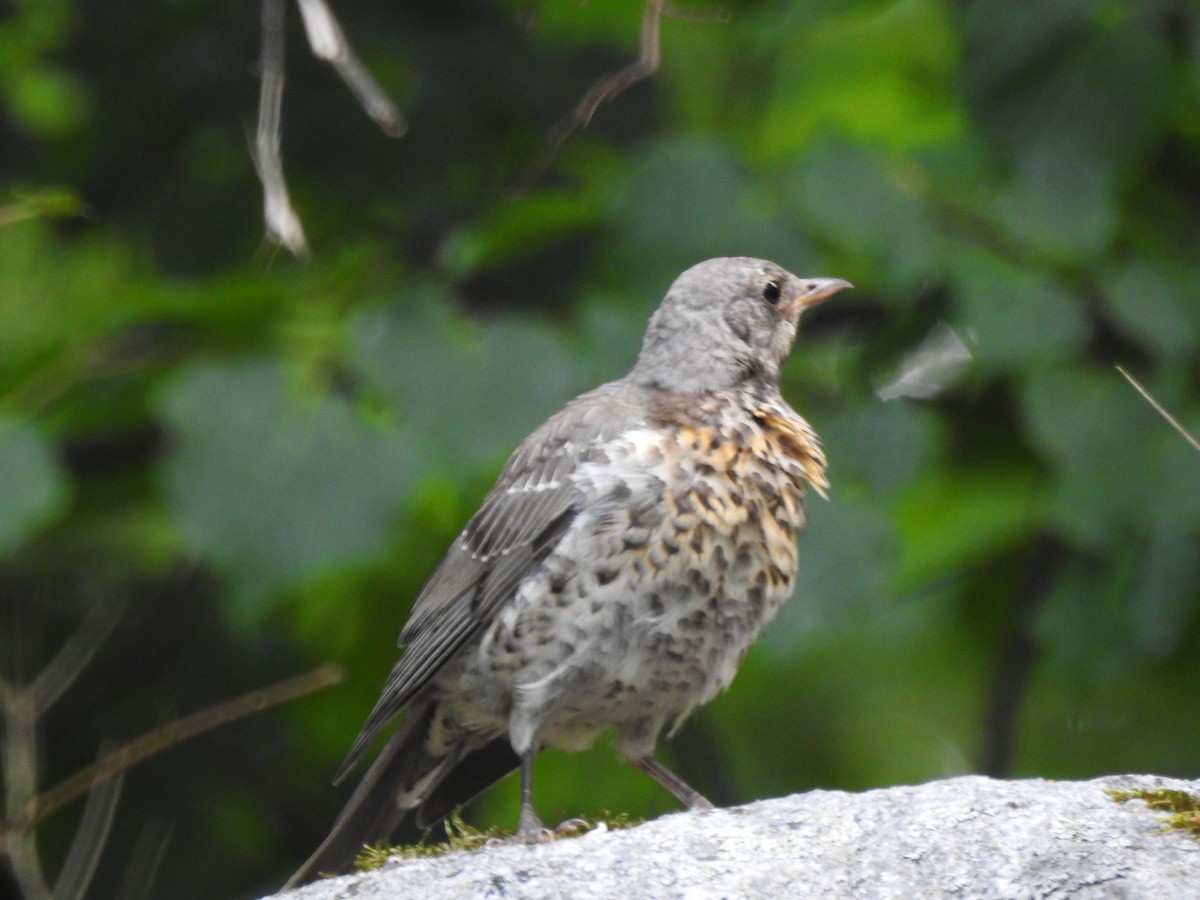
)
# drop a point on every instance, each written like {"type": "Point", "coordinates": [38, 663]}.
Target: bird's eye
{"type": "Point", "coordinates": [771, 292]}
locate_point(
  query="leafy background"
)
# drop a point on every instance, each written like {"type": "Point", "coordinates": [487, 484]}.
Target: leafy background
{"type": "Point", "coordinates": [264, 459]}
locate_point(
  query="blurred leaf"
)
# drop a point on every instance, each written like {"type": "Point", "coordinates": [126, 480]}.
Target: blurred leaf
{"type": "Point", "coordinates": [1162, 603]}
{"type": "Point", "coordinates": [853, 439]}
{"type": "Point", "coordinates": [846, 194]}
{"type": "Point", "coordinates": [514, 231]}
{"type": "Point", "coordinates": [1059, 204]}
{"type": "Point", "coordinates": [1084, 624]}
{"type": "Point", "coordinates": [1044, 74]}
{"type": "Point", "coordinates": [50, 298]}
{"type": "Point", "coordinates": [1154, 306]}
{"type": "Point", "coordinates": [43, 202]}
{"type": "Point", "coordinates": [1077, 417]}
{"type": "Point", "coordinates": [468, 394]}
{"type": "Point", "coordinates": [1174, 497]}
{"type": "Point", "coordinates": [663, 224]}
{"type": "Point", "coordinates": [49, 102]}
{"type": "Point", "coordinates": [833, 588]}
{"type": "Point", "coordinates": [878, 73]}
{"type": "Point", "coordinates": [566, 26]}
{"type": "Point", "coordinates": [609, 335]}
{"type": "Point", "coordinates": [1016, 315]}
{"type": "Point", "coordinates": [32, 487]}
{"type": "Point", "coordinates": [953, 521]}
{"type": "Point", "coordinates": [272, 487]}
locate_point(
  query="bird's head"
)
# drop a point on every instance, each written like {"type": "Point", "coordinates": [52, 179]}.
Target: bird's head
{"type": "Point", "coordinates": [725, 321]}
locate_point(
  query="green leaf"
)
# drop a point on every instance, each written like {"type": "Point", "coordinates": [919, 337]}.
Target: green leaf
{"type": "Point", "coordinates": [1108, 449]}
{"type": "Point", "coordinates": [1162, 604]}
{"type": "Point", "coordinates": [511, 232]}
{"type": "Point", "coordinates": [846, 194]}
{"type": "Point", "coordinates": [847, 553]}
{"type": "Point", "coordinates": [467, 393]}
{"type": "Point", "coordinates": [272, 487]}
{"type": "Point", "coordinates": [1094, 87]}
{"type": "Point", "coordinates": [1084, 624]}
{"type": "Point", "coordinates": [957, 519]}
{"type": "Point", "coordinates": [1060, 204]}
{"type": "Point", "coordinates": [880, 74]}
{"type": "Point", "coordinates": [853, 437]}
{"type": "Point", "coordinates": [49, 102]}
{"type": "Point", "coordinates": [1155, 305]}
{"type": "Point", "coordinates": [32, 487]}
{"type": "Point", "coordinates": [1017, 316]}
{"type": "Point", "coordinates": [665, 224]}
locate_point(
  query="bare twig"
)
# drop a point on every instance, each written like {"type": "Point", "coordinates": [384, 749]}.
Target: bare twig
{"type": "Point", "coordinates": [604, 90]}
{"type": "Point", "coordinates": [1171, 420]}
{"type": "Point", "coordinates": [90, 837]}
{"type": "Point", "coordinates": [21, 710]}
{"type": "Point", "coordinates": [283, 225]}
{"type": "Point", "coordinates": [148, 852]}
{"type": "Point", "coordinates": [102, 616]}
{"type": "Point", "coordinates": [329, 43]}
{"type": "Point", "coordinates": [20, 784]}
{"type": "Point", "coordinates": [147, 745]}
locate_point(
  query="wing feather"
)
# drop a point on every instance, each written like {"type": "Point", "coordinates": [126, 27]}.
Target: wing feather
{"type": "Point", "coordinates": [519, 523]}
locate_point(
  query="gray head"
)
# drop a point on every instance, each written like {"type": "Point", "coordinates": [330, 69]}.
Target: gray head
{"type": "Point", "coordinates": [724, 321]}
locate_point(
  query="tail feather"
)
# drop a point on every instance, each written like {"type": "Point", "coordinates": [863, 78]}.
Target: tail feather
{"type": "Point", "coordinates": [473, 775]}
{"type": "Point", "coordinates": [373, 811]}
{"type": "Point", "coordinates": [406, 776]}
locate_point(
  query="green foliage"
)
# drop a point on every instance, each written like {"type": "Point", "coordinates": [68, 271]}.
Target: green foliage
{"type": "Point", "coordinates": [270, 457]}
{"type": "Point", "coordinates": [462, 390]}
{"type": "Point", "coordinates": [272, 488]}
{"type": "Point", "coordinates": [33, 489]}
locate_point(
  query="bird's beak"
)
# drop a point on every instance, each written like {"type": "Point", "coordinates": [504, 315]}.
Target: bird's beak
{"type": "Point", "coordinates": [817, 290]}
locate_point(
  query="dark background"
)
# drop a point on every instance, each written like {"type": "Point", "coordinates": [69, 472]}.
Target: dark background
{"type": "Point", "coordinates": [257, 461]}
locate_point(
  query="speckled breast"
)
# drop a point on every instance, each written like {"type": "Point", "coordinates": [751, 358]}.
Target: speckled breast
{"type": "Point", "coordinates": [684, 548]}
{"type": "Point", "coordinates": [732, 507]}
{"type": "Point", "coordinates": [693, 548]}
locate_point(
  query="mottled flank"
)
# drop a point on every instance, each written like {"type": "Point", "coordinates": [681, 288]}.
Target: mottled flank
{"type": "Point", "coordinates": [630, 552]}
{"type": "Point", "coordinates": [647, 604]}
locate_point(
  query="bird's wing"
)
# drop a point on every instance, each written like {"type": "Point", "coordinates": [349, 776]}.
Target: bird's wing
{"type": "Point", "coordinates": [522, 518]}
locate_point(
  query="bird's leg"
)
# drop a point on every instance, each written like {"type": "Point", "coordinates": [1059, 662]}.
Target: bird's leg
{"type": "Point", "coordinates": [529, 827]}
{"type": "Point", "coordinates": [686, 794]}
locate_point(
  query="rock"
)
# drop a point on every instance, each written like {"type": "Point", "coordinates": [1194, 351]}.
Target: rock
{"type": "Point", "coordinates": [967, 837]}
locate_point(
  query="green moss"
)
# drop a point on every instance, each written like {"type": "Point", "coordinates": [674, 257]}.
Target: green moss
{"type": "Point", "coordinates": [1184, 808]}
{"type": "Point", "coordinates": [461, 836]}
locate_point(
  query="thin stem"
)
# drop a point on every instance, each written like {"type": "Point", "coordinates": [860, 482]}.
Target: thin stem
{"type": "Point", "coordinates": [1159, 409]}
{"type": "Point", "coordinates": [23, 817]}
{"type": "Point", "coordinates": [20, 787]}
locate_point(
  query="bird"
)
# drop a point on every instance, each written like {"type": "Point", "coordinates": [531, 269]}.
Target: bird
{"type": "Point", "coordinates": [629, 553]}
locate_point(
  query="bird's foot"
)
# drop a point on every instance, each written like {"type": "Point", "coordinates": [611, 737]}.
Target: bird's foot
{"type": "Point", "coordinates": [541, 835]}
{"type": "Point", "coordinates": [532, 831]}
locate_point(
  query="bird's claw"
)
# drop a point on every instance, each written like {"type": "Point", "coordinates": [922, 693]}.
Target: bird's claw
{"type": "Point", "coordinates": [540, 834]}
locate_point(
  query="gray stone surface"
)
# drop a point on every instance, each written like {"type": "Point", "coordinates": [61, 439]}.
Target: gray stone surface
{"type": "Point", "coordinates": [963, 837]}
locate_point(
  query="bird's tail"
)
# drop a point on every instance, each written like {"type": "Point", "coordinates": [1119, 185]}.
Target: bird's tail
{"type": "Point", "coordinates": [375, 809]}
{"type": "Point", "coordinates": [405, 775]}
